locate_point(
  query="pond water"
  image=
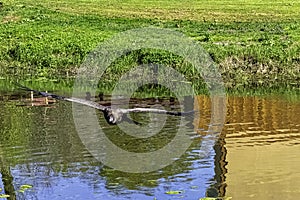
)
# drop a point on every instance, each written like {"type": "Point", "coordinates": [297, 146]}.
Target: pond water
{"type": "Point", "coordinates": [255, 157]}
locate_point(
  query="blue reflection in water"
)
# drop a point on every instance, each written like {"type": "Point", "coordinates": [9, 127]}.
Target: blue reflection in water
{"type": "Point", "coordinates": [89, 184]}
{"type": "Point", "coordinates": [50, 156]}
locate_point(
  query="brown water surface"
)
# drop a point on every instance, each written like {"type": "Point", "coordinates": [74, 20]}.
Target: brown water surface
{"type": "Point", "coordinates": [262, 146]}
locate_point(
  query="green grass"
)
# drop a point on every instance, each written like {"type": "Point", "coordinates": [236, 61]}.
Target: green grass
{"type": "Point", "coordinates": [216, 10]}
{"type": "Point", "coordinates": [256, 43]}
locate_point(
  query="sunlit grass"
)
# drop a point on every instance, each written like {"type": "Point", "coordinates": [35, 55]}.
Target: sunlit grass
{"type": "Point", "coordinates": [256, 43]}
{"type": "Point", "coordinates": [216, 10]}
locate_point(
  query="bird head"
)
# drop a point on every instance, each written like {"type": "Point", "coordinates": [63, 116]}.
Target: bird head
{"type": "Point", "coordinates": [113, 116]}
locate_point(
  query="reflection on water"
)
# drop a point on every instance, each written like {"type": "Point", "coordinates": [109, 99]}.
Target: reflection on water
{"type": "Point", "coordinates": [263, 145]}
{"type": "Point", "coordinates": [255, 157]}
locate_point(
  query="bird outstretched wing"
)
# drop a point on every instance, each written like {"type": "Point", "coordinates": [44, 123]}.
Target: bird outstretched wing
{"type": "Point", "coordinates": [70, 99]}
{"type": "Point", "coordinates": [154, 110]}
{"type": "Point", "coordinates": [86, 102]}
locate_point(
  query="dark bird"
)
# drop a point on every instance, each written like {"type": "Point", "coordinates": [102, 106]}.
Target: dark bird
{"type": "Point", "coordinates": [112, 115]}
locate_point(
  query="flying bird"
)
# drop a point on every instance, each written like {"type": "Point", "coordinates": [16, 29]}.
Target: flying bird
{"type": "Point", "coordinates": [112, 115]}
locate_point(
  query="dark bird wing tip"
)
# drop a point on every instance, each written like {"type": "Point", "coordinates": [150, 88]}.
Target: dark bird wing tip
{"type": "Point", "coordinates": [22, 86]}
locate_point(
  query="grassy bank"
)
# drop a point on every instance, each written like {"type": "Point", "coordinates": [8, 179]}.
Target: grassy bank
{"type": "Point", "coordinates": [256, 44]}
